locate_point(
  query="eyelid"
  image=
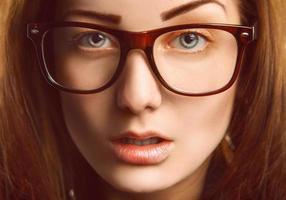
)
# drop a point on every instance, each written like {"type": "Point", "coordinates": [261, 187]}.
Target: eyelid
{"type": "Point", "coordinates": [171, 37]}
{"type": "Point", "coordinates": [203, 33]}
{"type": "Point", "coordinates": [76, 41]}
{"type": "Point", "coordinates": [80, 35]}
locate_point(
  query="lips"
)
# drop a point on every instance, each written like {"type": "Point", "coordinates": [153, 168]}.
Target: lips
{"type": "Point", "coordinates": [141, 136]}
{"type": "Point", "coordinates": [140, 152]}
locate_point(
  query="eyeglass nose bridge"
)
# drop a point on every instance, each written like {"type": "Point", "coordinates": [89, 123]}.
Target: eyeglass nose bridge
{"type": "Point", "coordinates": [142, 40]}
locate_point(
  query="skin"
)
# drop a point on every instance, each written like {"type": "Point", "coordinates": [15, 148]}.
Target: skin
{"type": "Point", "coordinates": [137, 101]}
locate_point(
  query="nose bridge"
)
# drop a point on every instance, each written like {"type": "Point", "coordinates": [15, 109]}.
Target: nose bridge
{"type": "Point", "coordinates": [136, 90]}
{"type": "Point", "coordinates": [140, 40]}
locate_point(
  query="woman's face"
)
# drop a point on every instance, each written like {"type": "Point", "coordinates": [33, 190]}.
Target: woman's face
{"type": "Point", "coordinates": [138, 103]}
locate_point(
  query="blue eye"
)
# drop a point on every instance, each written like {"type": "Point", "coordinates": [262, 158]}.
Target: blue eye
{"type": "Point", "coordinates": [94, 40]}
{"type": "Point", "coordinates": [190, 41]}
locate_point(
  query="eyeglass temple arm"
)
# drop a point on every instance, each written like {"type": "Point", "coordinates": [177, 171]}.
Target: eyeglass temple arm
{"type": "Point", "coordinates": [255, 31]}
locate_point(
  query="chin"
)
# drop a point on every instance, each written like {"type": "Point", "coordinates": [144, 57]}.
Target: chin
{"type": "Point", "coordinates": [139, 188]}
{"type": "Point", "coordinates": [139, 184]}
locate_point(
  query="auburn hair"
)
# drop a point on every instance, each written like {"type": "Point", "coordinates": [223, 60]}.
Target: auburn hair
{"type": "Point", "coordinates": [38, 160]}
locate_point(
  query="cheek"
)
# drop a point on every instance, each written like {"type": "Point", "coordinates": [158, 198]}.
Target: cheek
{"type": "Point", "coordinates": [207, 115]}
{"type": "Point", "coordinates": [200, 125]}
{"type": "Point", "coordinates": [88, 118]}
{"type": "Point", "coordinates": [86, 113]}
{"type": "Point", "coordinates": [207, 122]}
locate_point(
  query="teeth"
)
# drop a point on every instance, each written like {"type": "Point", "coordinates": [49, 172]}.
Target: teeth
{"type": "Point", "coordinates": [141, 142]}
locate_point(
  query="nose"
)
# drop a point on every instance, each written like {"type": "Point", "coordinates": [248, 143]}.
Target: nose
{"type": "Point", "coordinates": [138, 89]}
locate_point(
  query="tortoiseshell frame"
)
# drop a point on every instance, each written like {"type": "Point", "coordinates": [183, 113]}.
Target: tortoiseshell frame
{"type": "Point", "coordinates": [139, 40]}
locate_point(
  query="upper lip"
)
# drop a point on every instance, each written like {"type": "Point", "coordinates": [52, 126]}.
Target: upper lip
{"type": "Point", "coordinates": [141, 135]}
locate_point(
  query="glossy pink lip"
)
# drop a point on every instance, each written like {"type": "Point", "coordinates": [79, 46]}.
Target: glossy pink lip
{"type": "Point", "coordinates": [142, 155]}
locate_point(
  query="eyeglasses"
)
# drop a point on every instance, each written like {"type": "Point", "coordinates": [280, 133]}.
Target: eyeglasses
{"type": "Point", "coordinates": [189, 59]}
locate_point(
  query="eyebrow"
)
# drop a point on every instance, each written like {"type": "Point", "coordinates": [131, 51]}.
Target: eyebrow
{"type": "Point", "coordinates": [188, 7]}
{"type": "Point", "coordinates": [116, 19]}
{"type": "Point", "coordinates": [111, 18]}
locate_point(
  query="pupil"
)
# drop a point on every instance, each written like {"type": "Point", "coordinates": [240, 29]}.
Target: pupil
{"type": "Point", "coordinates": [96, 38]}
{"type": "Point", "coordinates": [189, 40]}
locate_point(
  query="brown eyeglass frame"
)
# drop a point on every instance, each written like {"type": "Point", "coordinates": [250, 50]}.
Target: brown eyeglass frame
{"type": "Point", "coordinates": [139, 40]}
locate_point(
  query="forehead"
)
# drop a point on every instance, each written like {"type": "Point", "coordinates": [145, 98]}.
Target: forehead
{"type": "Point", "coordinates": [138, 14]}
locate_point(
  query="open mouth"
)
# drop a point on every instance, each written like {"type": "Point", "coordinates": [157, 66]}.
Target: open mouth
{"type": "Point", "coordinates": [149, 141]}
{"type": "Point", "coordinates": [142, 150]}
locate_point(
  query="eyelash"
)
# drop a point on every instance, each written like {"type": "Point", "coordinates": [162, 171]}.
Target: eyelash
{"type": "Point", "coordinates": [81, 37]}
{"type": "Point", "coordinates": [175, 36]}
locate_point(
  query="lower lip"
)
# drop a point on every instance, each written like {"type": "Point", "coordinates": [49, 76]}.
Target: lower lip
{"type": "Point", "coordinates": [142, 155]}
